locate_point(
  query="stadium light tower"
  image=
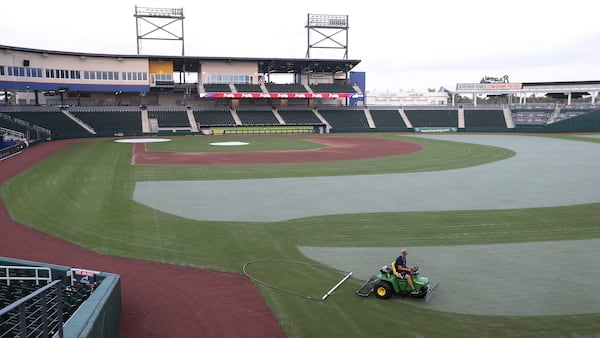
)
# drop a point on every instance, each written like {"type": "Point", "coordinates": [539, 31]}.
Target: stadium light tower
{"type": "Point", "coordinates": [326, 29]}
{"type": "Point", "coordinates": [160, 26]}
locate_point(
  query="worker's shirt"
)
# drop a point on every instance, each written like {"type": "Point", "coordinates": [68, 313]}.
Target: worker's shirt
{"type": "Point", "coordinates": [400, 262]}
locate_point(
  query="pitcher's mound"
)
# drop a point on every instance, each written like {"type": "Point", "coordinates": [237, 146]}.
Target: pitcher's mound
{"type": "Point", "coordinates": [143, 140]}
{"type": "Point", "coordinates": [229, 144]}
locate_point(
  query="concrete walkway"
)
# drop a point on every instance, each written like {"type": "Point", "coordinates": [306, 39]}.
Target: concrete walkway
{"type": "Point", "coordinates": [545, 172]}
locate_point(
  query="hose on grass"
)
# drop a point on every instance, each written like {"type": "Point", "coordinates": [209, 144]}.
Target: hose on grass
{"type": "Point", "coordinates": [308, 297]}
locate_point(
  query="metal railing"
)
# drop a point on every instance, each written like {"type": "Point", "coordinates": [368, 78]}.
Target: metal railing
{"type": "Point", "coordinates": [12, 133]}
{"type": "Point", "coordinates": [46, 276]}
{"type": "Point", "coordinates": [39, 314]}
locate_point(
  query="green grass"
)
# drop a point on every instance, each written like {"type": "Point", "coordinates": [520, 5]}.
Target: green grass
{"type": "Point", "coordinates": [574, 137]}
{"type": "Point", "coordinates": [437, 155]}
{"type": "Point", "coordinates": [86, 191]}
{"type": "Point", "coordinates": [256, 143]}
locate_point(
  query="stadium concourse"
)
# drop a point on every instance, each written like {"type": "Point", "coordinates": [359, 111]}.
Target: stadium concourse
{"type": "Point", "coordinates": [158, 300]}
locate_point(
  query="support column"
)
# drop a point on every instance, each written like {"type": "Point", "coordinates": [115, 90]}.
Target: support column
{"type": "Point", "coordinates": [454, 99]}
{"type": "Point", "coordinates": [594, 94]}
{"type": "Point", "coordinates": [569, 98]}
{"type": "Point", "coordinates": [474, 99]}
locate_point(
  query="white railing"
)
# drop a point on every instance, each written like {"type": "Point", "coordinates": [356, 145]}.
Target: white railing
{"type": "Point", "coordinates": [38, 277]}
{"type": "Point", "coordinates": [12, 133]}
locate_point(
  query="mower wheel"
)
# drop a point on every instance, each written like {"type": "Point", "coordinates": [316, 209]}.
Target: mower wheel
{"type": "Point", "coordinates": [383, 290]}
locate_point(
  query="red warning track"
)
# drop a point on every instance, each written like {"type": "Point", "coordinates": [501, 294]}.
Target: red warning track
{"type": "Point", "coordinates": [337, 149]}
{"type": "Point", "coordinates": [158, 300]}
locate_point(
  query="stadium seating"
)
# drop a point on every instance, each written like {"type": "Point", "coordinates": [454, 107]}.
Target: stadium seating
{"type": "Point", "coordinates": [332, 88]}
{"type": "Point", "coordinates": [213, 116]}
{"type": "Point", "coordinates": [216, 88]}
{"type": "Point", "coordinates": [285, 88]}
{"type": "Point", "coordinates": [169, 116]}
{"type": "Point", "coordinates": [298, 115]}
{"type": "Point", "coordinates": [48, 117]}
{"type": "Point", "coordinates": [586, 121]}
{"type": "Point", "coordinates": [387, 118]}
{"type": "Point", "coordinates": [72, 297]}
{"type": "Point", "coordinates": [571, 111]}
{"type": "Point", "coordinates": [256, 115]}
{"type": "Point", "coordinates": [110, 120]}
{"type": "Point", "coordinates": [567, 114]}
{"type": "Point", "coordinates": [8, 123]}
{"type": "Point", "coordinates": [345, 117]}
{"type": "Point", "coordinates": [433, 117]}
{"type": "Point", "coordinates": [248, 88]}
{"type": "Point", "coordinates": [531, 116]}
{"type": "Point", "coordinates": [490, 118]}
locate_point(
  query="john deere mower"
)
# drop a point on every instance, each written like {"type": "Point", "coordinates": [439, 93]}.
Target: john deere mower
{"type": "Point", "coordinates": [386, 284]}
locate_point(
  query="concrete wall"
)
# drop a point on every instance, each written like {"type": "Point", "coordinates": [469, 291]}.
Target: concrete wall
{"type": "Point", "coordinates": [72, 62]}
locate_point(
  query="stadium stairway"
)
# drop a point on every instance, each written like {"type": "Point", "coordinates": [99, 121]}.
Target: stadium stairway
{"type": "Point", "coordinates": [508, 117]}
{"type": "Point", "coordinates": [308, 89]}
{"type": "Point", "coordinates": [232, 87]}
{"type": "Point", "coordinates": [278, 116]}
{"type": "Point", "coordinates": [236, 117]}
{"type": "Point", "coordinates": [461, 118]}
{"type": "Point", "coordinates": [145, 121]}
{"type": "Point", "coordinates": [321, 118]}
{"type": "Point", "coordinates": [369, 118]}
{"type": "Point", "coordinates": [554, 117]}
{"type": "Point", "coordinates": [78, 121]}
{"type": "Point", "coordinates": [405, 119]}
{"type": "Point", "coordinates": [263, 88]}
{"type": "Point", "coordinates": [357, 89]}
{"type": "Point", "coordinates": [192, 119]}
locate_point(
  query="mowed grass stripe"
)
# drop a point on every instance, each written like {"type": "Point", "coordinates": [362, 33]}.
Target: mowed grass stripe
{"type": "Point", "coordinates": [437, 155]}
{"type": "Point", "coordinates": [83, 194]}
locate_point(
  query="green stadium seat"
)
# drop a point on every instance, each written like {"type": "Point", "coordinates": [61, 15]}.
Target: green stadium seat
{"type": "Point", "coordinates": [345, 117]}
{"type": "Point", "coordinates": [298, 115]}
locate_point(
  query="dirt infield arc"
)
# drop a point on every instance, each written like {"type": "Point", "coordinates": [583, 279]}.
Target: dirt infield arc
{"type": "Point", "coordinates": [337, 149]}
{"type": "Point", "coordinates": [158, 300]}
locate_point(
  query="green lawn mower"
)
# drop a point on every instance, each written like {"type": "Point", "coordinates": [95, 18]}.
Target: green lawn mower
{"type": "Point", "coordinates": [387, 284]}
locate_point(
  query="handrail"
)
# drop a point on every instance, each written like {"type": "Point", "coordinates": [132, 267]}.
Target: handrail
{"type": "Point", "coordinates": [30, 296]}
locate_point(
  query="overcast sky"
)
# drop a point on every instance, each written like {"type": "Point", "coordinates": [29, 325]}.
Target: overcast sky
{"type": "Point", "coordinates": [402, 44]}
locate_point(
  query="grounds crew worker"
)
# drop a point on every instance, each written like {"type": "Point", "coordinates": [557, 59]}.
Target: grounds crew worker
{"type": "Point", "coordinates": [403, 271]}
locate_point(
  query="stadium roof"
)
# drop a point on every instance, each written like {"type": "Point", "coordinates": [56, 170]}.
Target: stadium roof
{"type": "Point", "coordinates": [562, 85]}
{"type": "Point", "coordinates": [265, 65]}
{"type": "Point", "coordinates": [528, 87]}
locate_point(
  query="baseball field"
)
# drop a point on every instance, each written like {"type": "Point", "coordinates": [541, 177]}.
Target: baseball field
{"type": "Point", "coordinates": [508, 224]}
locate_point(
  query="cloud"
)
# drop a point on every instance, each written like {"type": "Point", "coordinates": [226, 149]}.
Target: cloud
{"type": "Point", "coordinates": [415, 44]}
